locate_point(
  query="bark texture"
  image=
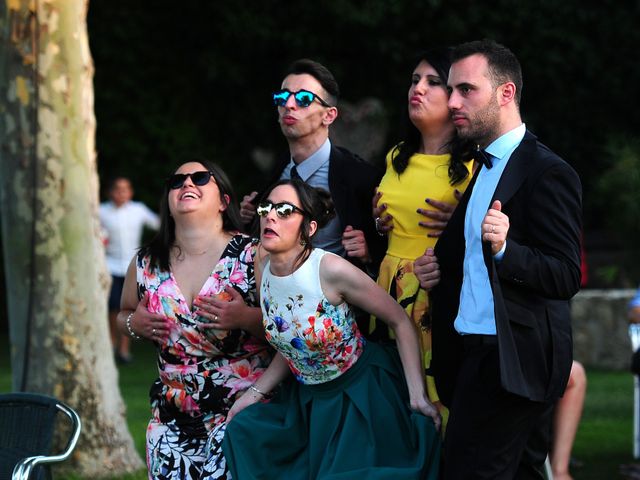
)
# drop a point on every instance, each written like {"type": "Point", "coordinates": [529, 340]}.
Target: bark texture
{"type": "Point", "coordinates": [56, 274]}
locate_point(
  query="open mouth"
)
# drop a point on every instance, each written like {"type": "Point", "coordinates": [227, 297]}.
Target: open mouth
{"type": "Point", "coordinates": [188, 195]}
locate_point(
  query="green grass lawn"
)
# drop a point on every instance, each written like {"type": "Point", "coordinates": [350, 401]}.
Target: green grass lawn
{"type": "Point", "coordinates": [604, 439]}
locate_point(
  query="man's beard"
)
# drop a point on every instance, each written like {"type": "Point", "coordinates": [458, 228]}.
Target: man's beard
{"type": "Point", "coordinates": [484, 125]}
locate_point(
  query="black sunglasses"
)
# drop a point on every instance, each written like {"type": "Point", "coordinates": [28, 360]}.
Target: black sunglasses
{"type": "Point", "coordinates": [283, 209]}
{"type": "Point", "coordinates": [200, 178]}
{"type": "Point", "coordinates": [303, 98]}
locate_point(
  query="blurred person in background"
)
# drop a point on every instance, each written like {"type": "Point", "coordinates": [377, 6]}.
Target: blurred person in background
{"type": "Point", "coordinates": [123, 221]}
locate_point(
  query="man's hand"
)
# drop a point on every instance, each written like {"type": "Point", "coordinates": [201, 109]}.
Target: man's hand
{"type": "Point", "coordinates": [247, 208]}
{"type": "Point", "coordinates": [440, 216]}
{"type": "Point", "coordinates": [495, 227]}
{"type": "Point", "coordinates": [427, 269]}
{"type": "Point", "coordinates": [355, 244]}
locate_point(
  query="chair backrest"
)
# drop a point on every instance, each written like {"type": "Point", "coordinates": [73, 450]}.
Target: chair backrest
{"type": "Point", "coordinates": [27, 424]}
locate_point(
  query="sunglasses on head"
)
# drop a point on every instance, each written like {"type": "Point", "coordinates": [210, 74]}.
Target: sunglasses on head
{"type": "Point", "coordinates": [200, 178]}
{"type": "Point", "coordinates": [283, 209]}
{"type": "Point", "coordinates": [303, 98]}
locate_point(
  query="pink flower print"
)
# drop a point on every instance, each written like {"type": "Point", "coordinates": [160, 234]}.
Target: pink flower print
{"type": "Point", "coordinates": [237, 275]}
{"type": "Point", "coordinates": [190, 406]}
{"type": "Point", "coordinates": [327, 322]}
{"type": "Point", "coordinates": [248, 253]}
{"type": "Point", "coordinates": [166, 289]}
{"type": "Point", "coordinates": [311, 329]}
{"type": "Point", "coordinates": [155, 303]}
{"type": "Point", "coordinates": [240, 375]}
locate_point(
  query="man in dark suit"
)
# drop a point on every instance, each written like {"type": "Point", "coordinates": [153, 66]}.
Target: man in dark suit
{"type": "Point", "coordinates": [504, 269]}
{"type": "Point", "coordinates": [307, 106]}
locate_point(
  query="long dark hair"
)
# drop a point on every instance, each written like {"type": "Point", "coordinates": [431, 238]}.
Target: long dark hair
{"type": "Point", "coordinates": [158, 249]}
{"type": "Point", "coordinates": [317, 205]}
{"type": "Point", "coordinates": [461, 151]}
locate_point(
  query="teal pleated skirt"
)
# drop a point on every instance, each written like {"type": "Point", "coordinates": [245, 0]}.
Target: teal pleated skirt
{"type": "Point", "coordinates": [356, 427]}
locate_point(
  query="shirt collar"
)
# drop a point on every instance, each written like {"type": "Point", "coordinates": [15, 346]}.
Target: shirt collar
{"type": "Point", "coordinates": [507, 142]}
{"type": "Point", "coordinates": [309, 166]}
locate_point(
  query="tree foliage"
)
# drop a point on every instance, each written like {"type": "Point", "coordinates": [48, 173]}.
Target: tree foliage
{"type": "Point", "coordinates": [197, 78]}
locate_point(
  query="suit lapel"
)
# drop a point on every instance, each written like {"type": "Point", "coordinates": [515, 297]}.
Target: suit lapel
{"type": "Point", "coordinates": [516, 170]}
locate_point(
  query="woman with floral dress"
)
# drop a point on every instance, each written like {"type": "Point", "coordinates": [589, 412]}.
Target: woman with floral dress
{"type": "Point", "coordinates": [356, 409]}
{"type": "Point", "coordinates": [191, 290]}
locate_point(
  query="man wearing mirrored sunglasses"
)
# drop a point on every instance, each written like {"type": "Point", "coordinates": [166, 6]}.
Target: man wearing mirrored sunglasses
{"type": "Point", "coordinates": [307, 105]}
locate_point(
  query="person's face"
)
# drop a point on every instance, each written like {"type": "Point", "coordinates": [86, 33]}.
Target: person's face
{"type": "Point", "coordinates": [474, 100]}
{"type": "Point", "coordinates": [278, 234]}
{"type": "Point", "coordinates": [190, 197]}
{"type": "Point", "coordinates": [297, 122]}
{"type": "Point", "coordinates": [428, 97]}
{"type": "Point", "coordinates": [121, 192]}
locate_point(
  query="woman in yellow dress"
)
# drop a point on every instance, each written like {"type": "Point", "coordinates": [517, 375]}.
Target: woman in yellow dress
{"type": "Point", "coordinates": [431, 165]}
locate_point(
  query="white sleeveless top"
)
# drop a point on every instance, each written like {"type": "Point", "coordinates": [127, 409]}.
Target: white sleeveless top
{"type": "Point", "coordinates": [320, 341]}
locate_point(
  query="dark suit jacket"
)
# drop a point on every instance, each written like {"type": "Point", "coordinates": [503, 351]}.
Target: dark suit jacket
{"type": "Point", "coordinates": [531, 285]}
{"type": "Point", "coordinates": [352, 183]}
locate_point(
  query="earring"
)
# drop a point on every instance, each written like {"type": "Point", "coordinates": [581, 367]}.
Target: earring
{"type": "Point", "coordinates": [303, 243]}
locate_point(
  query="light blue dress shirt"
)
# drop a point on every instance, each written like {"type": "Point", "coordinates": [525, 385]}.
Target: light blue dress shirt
{"type": "Point", "coordinates": [476, 312]}
{"type": "Point", "coordinates": [314, 171]}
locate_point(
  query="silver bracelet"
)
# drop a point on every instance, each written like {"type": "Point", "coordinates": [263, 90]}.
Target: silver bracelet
{"type": "Point", "coordinates": [128, 324]}
{"type": "Point", "coordinates": [257, 390]}
{"type": "Point", "coordinates": [377, 222]}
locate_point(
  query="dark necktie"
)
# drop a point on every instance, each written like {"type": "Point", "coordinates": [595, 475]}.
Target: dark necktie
{"type": "Point", "coordinates": [483, 157]}
{"type": "Point", "coordinates": [293, 174]}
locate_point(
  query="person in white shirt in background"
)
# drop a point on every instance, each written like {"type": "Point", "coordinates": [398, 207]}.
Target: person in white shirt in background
{"type": "Point", "coordinates": [123, 221]}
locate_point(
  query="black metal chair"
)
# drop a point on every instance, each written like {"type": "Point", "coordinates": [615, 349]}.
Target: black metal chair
{"type": "Point", "coordinates": [27, 424]}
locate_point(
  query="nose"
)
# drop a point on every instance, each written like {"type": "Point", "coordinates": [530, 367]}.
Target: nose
{"type": "Point", "coordinates": [421, 86]}
{"type": "Point", "coordinates": [188, 182]}
{"type": "Point", "coordinates": [291, 103]}
{"type": "Point", "coordinates": [454, 101]}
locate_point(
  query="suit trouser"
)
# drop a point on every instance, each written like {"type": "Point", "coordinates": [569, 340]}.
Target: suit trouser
{"type": "Point", "coordinates": [493, 433]}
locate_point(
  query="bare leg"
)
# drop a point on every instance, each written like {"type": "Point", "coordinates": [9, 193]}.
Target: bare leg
{"type": "Point", "coordinates": [566, 420]}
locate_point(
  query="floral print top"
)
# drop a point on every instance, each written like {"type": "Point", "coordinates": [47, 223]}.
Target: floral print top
{"type": "Point", "coordinates": [320, 341]}
{"type": "Point", "coordinates": [201, 370]}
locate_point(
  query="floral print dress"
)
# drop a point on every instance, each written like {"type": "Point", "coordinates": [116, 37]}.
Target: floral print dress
{"type": "Point", "coordinates": [320, 341]}
{"type": "Point", "coordinates": [347, 414]}
{"type": "Point", "coordinates": [201, 371]}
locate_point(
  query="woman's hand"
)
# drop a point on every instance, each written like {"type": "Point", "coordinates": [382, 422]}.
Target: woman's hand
{"type": "Point", "coordinates": [384, 222]}
{"type": "Point", "coordinates": [249, 397]}
{"type": "Point", "coordinates": [424, 406]}
{"type": "Point", "coordinates": [225, 311]}
{"type": "Point", "coordinates": [153, 326]}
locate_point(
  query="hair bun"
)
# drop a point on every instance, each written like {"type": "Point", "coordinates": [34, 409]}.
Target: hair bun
{"type": "Point", "coordinates": [325, 210]}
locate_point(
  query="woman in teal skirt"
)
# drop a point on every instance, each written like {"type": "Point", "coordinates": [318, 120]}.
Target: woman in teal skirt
{"type": "Point", "coordinates": [356, 410]}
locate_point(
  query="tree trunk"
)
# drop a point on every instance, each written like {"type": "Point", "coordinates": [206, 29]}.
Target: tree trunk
{"type": "Point", "coordinates": [56, 274]}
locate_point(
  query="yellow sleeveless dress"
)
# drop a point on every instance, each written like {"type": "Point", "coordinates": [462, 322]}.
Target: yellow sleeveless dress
{"type": "Point", "coordinates": [426, 176]}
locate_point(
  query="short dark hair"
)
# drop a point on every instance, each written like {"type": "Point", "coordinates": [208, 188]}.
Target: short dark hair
{"type": "Point", "coordinates": [111, 184]}
{"type": "Point", "coordinates": [503, 64]}
{"type": "Point", "coordinates": [159, 247]}
{"type": "Point", "coordinates": [321, 73]}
